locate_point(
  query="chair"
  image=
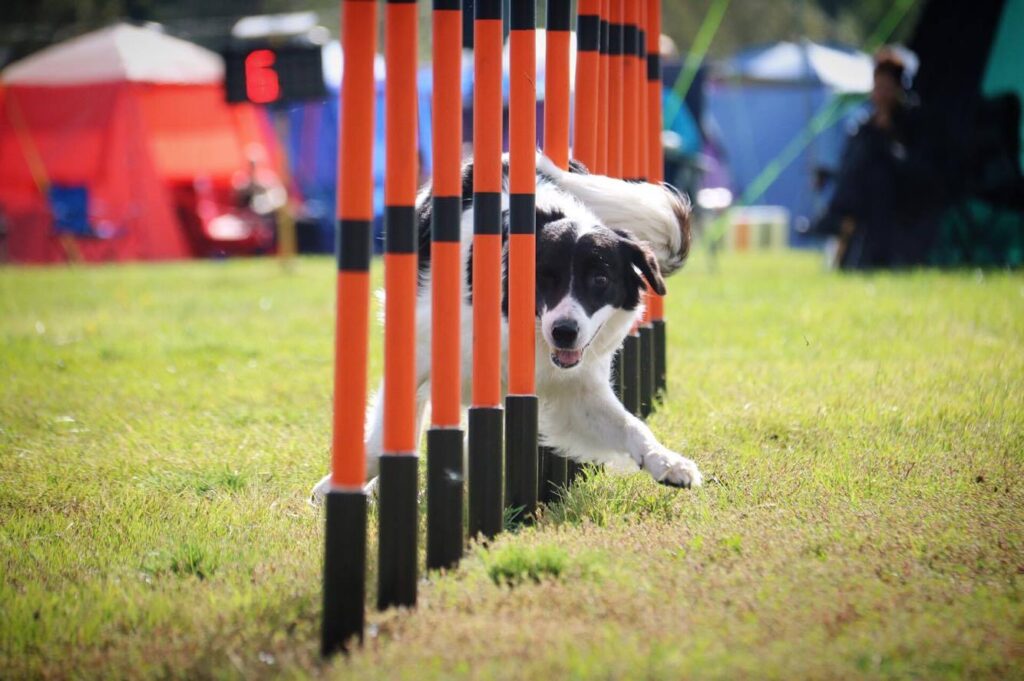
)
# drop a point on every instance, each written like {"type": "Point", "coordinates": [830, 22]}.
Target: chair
{"type": "Point", "coordinates": [69, 208]}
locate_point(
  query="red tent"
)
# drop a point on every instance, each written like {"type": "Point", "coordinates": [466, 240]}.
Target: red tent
{"type": "Point", "coordinates": [132, 118]}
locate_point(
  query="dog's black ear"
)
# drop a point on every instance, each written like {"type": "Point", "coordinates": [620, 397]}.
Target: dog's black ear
{"type": "Point", "coordinates": [545, 216]}
{"type": "Point", "coordinates": [640, 255]}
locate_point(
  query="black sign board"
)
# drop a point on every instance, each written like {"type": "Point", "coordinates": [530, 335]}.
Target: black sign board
{"type": "Point", "coordinates": [262, 73]}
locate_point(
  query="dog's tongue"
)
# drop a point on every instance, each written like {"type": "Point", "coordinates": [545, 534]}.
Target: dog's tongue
{"type": "Point", "coordinates": [568, 357]}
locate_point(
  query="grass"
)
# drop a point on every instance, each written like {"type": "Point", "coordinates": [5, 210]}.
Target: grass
{"type": "Point", "coordinates": [160, 427]}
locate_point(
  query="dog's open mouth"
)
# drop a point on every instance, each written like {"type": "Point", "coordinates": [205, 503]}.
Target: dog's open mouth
{"type": "Point", "coordinates": [566, 359]}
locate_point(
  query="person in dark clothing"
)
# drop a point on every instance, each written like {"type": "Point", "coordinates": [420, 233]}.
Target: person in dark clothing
{"type": "Point", "coordinates": [881, 201]}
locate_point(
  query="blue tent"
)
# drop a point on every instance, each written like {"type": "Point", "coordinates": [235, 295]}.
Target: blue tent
{"type": "Point", "coordinates": [762, 98]}
{"type": "Point", "coordinates": [313, 141]}
{"type": "Point", "coordinates": [312, 146]}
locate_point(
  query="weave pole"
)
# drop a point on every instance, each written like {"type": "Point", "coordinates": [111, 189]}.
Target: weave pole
{"type": "Point", "coordinates": [398, 486]}
{"type": "Point", "coordinates": [628, 165]}
{"type": "Point", "coordinates": [656, 173]}
{"type": "Point", "coordinates": [553, 469]}
{"type": "Point", "coordinates": [647, 355]}
{"type": "Point", "coordinates": [345, 504]}
{"type": "Point", "coordinates": [601, 160]}
{"type": "Point", "coordinates": [612, 125]}
{"type": "Point", "coordinates": [630, 87]}
{"type": "Point", "coordinates": [642, 121]}
{"type": "Point", "coordinates": [615, 92]}
{"type": "Point", "coordinates": [521, 401]}
{"type": "Point", "coordinates": [444, 439]}
{"type": "Point", "coordinates": [485, 414]}
{"type": "Point", "coordinates": [557, 82]}
{"type": "Point", "coordinates": [585, 113]}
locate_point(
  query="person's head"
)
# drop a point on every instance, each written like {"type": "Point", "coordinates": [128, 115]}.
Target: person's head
{"type": "Point", "coordinates": [887, 93]}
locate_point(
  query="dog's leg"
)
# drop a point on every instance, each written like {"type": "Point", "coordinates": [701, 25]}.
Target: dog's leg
{"type": "Point", "coordinates": [374, 443]}
{"type": "Point", "coordinates": [375, 439]}
{"type": "Point", "coordinates": [592, 421]}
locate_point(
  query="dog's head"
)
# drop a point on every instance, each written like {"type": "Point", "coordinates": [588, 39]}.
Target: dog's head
{"type": "Point", "coordinates": [586, 273]}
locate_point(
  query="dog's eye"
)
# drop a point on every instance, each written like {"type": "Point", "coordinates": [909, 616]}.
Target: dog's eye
{"type": "Point", "coordinates": [598, 280]}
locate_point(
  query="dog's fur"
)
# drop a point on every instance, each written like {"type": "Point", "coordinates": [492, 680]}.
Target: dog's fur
{"type": "Point", "coordinates": [598, 241]}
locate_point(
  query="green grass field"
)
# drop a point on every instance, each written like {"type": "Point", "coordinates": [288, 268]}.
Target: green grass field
{"type": "Point", "coordinates": [160, 427]}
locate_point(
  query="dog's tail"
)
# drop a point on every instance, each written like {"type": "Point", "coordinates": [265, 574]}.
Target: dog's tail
{"type": "Point", "coordinates": [655, 213]}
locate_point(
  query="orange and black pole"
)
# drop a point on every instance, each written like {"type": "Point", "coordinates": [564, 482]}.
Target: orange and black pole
{"type": "Point", "coordinates": [641, 95]}
{"type": "Point", "coordinates": [615, 91]}
{"type": "Point", "coordinates": [624, 161]}
{"type": "Point", "coordinates": [552, 468]}
{"type": "Point", "coordinates": [647, 355]}
{"type": "Point", "coordinates": [398, 487]}
{"type": "Point", "coordinates": [630, 87]}
{"type": "Point", "coordinates": [521, 402]}
{"type": "Point", "coordinates": [601, 162]}
{"type": "Point", "coordinates": [655, 173]}
{"type": "Point", "coordinates": [345, 504]}
{"type": "Point", "coordinates": [610, 122]}
{"type": "Point", "coordinates": [556, 81]}
{"type": "Point", "coordinates": [444, 439]}
{"type": "Point", "coordinates": [485, 413]}
{"type": "Point", "coordinates": [584, 148]}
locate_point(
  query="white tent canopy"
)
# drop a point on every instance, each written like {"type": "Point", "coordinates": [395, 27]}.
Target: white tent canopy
{"type": "Point", "coordinates": [846, 71]}
{"type": "Point", "coordinates": [115, 54]}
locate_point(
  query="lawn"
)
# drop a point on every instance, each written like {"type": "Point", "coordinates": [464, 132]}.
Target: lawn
{"type": "Point", "coordinates": [161, 425]}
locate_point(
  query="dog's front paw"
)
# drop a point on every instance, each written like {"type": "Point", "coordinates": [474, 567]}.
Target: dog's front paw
{"type": "Point", "coordinates": [319, 491]}
{"type": "Point", "coordinates": [671, 469]}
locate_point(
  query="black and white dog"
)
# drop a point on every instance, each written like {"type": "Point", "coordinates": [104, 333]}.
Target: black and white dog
{"type": "Point", "coordinates": [599, 240]}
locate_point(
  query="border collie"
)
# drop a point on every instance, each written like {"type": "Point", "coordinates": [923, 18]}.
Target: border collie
{"type": "Point", "coordinates": [600, 241]}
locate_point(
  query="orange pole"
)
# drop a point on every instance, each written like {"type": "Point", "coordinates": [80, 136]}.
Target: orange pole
{"type": "Point", "coordinates": [655, 155]}
{"type": "Point", "coordinates": [400, 179]}
{"type": "Point", "coordinates": [556, 83]}
{"type": "Point", "coordinates": [641, 93]}
{"type": "Point", "coordinates": [344, 581]}
{"type": "Point", "coordinates": [487, 132]}
{"type": "Point", "coordinates": [616, 92]}
{"type": "Point", "coordinates": [355, 226]}
{"type": "Point", "coordinates": [631, 87]}
{"type": "Point", "coordinates": [398, 486]}
{"type": "Point", "coordinates": [444, 439]}
{"type": "Point", "coordinates": [521, 402]}
{"type": "Point", "coordinates": [445, 256]}
{"type": "Point", "coordinates": [601, 162]}
{"type": "Point", "coordinates": [522, 180]}
{"type": "Point", "coordinates": [485, 414]}
{"type": "Point", "coordinates": [587, 80]}
{"type": "Point", "coordinates": [640, 58]}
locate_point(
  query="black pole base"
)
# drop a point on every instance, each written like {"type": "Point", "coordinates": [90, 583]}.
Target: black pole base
{"type": "Point", "coordinates": [521, 456]}
{"type": "Point", "coordinates": [485, 471]}
{"type": "Point", "coordinates": [344, 571]}
{"type": "Point", "coordinates": [554, 475]}
{"type": "Point", "coordinates": [660, 357]}
{"type": "Point", "coordinates": [398, 508]}
{"type": "Point", "coordinates": [573, 470]}
{"type": "Point", "coordinates": [646, 370]}
{"type": "Point", "coordinates": [631, 374]}
{"type": "Point", "coordinates": [616, 376]}
{"type": "Point", "coordinates": [444, 497]}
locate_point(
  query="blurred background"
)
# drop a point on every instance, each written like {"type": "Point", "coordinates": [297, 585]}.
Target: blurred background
{"type": "Point", "coordinates": [886, 134]}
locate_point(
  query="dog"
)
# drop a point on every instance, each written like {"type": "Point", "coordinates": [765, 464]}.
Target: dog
{"type": "Point", "coordinates": [600, 242]}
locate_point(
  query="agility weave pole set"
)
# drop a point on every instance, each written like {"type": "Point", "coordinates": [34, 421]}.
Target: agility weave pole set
{"type": "Point", "coordinates": [617, 129]}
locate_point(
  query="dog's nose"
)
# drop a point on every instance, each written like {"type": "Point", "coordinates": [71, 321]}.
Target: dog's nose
{"type": "Point", "coordinates": [564, 333]}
